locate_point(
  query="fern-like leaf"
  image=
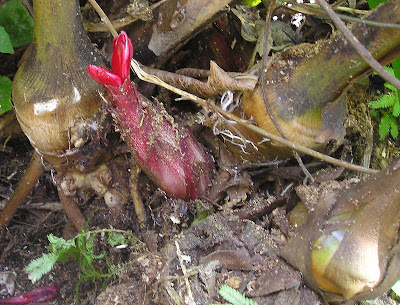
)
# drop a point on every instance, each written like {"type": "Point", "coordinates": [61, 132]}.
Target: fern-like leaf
{"type": "Point", "coordinates": [235, 297]}
{"type": "Point", "coordinates": [81, 248]}
{"type": "Point", "coordinates": [390, 87]}
{"type": "Point", "coordinates": [396, 107]}
{"type": "Point", "coordinates": [59, 243]}
{"type": "Point", "coordinates": [41, 266]}
{"type": "Point", "coordinates": [384, 101]}
{"type": "Point", "coordinates": [389, 69]}
{"type": "Point", "coordinates": [116, 239]}
{"type": "Point", "coordinates": [394, 129]}
{"type": "Point", "coordinates": [384, 126]}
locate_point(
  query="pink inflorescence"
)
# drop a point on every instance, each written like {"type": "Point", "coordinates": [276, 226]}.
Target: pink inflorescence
{"type": "Point", "coordinates": [167, 153]}
{"type": "Point", "coordinates": [34, 296]}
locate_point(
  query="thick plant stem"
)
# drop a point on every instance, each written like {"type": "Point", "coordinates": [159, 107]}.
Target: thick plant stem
{"type": "Point", "coordinates": [55, 101]}
{"type": "Point", "coordinates": [57, 105]}
{"type": "Point", "coordinates": [348, 249]}
{"type": "Point", "coordinates": [26, 184]}
{"type": "Point", "coordinates": [306, 85]}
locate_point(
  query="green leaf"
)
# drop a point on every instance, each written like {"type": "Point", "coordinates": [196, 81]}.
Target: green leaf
{"type": "Point", "coordinates": [5, 94]}
{"type": "Point", "coordinates": [88, 243]}
{"type": "Point", "coordinates": [235, 297]}
{"type": "Point", "coordinates": [251, 2]}
{"type": "Point", "coordinates": [374, 3]}
{"type": "Point", "coordinates": [396, 70]}
{"type": "Point", "coordinates": [5, 42]}
{"type": "Point", "coordinates": [384, 126]}
{"type": "Point", "coordinates": [394, 129]}
{"type": "Point", "coordinates": [59, 243]}
{"type": "Point", "coordinates": [389, 69]}
{"type": "Point", "coordinates": [390, 87]}
{"type": "Point", "coordinates": [116, 239]}
{"type": "Point", "coordinates": [396, 66]}
{"type": "Point", "coordinates": [82, 249]}
{"type": "Point", "coordinates": [384, 101]}
{"type": "Point", "coordinates": [15, 19]}
{"type": "Point", "coordinates": [396, 107]}
{"type": "Point", "coordinates": [41, 266]}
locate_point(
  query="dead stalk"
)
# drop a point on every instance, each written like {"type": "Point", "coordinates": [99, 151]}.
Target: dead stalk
{"type": "Point", "coordinates": [184, 271]}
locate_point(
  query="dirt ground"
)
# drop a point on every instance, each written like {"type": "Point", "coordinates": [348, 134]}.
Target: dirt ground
{"type": "Point", "coordinates": [236, 245]}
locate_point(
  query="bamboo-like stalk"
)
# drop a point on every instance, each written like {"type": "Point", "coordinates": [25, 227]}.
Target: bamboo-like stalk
{"type": "Point", "coordinates": [56, 103]}
{"type": "Point", "coordinates": [305, 85]}
{"type": "Point", "coordinates": [348, 249]}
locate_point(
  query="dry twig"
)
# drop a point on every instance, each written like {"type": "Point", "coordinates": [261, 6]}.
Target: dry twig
{"type": "Point", "coordinates": [190, 299]}
{"type": "Point", "coordinates": [118, 23]}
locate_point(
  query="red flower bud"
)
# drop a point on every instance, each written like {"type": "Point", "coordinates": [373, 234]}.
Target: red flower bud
{"type": "Point", "coordinates": [122, 55]}
{"type": "Point", "coordinates": [34, 296]}
{"type": "Point", "coordinates": [103, 76]}
{"type": "Point", "coordinates": [167, 153]}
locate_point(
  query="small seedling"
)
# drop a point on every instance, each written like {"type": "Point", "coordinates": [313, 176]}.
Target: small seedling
{"type": "Point", "coordinates": [387, 109]}
{"type": "Point", "coordinates": [234, 297]}
{"type": "Point", "coordinates": [82, 249]}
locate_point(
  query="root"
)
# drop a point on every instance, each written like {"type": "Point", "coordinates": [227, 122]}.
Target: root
{"type": "Point", "coordinates": [137, 200]}
{"type": "Point", "coordinates": [72, 210]}
{"type": "Point", "coordinates": [32, 174]}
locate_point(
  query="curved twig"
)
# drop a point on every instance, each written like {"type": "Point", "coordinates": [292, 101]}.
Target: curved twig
{"type": "Point", "coordinates": [104, 17]}
{"type": "Point", "coordinates": [210, 106]}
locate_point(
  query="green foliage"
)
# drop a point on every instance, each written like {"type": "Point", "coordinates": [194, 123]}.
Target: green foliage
{"type": "Point", "coordinates": [374, 3]}
{"type": "Point", "coordinates": [387, 110]}
{"type": "Point", "coordinates": [234, 297]}
{"type": "Point", "coordinates": [82, 249]}
{"type": "Point", "coordinates": [16, 29]}
{"type": "Point", "coordinates": [201, 213]}
{"type": "Point", "coordinates": [5, 94]}
{"type": "Point", "coordinates": [251, 2]}
{"type": "Point", "coordinates": [16, 21]}
{"type": "Point", "coordinates": [5, 42]}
